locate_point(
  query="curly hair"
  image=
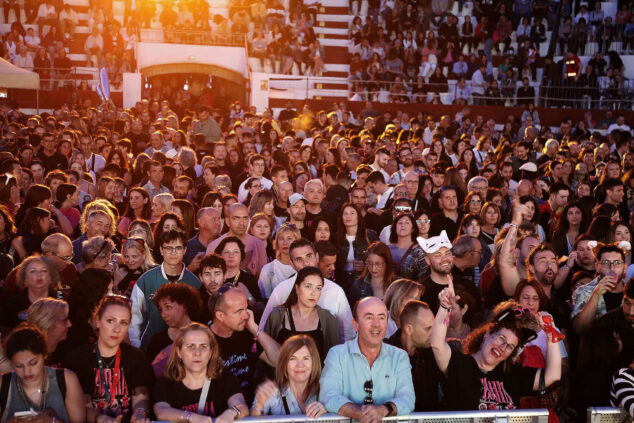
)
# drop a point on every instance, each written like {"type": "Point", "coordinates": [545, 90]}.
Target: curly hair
{"type": "Point", "coordinates": [182, 294]}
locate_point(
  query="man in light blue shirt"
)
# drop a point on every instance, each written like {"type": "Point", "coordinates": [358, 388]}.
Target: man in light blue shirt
{"type": "Point", "coordinates": [366, 379]}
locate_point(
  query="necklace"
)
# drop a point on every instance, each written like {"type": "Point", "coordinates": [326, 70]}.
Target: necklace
{"type": "Point", "coordinates": [42, 390]}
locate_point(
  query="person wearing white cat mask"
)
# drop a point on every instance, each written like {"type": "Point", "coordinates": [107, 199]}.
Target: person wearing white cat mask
{"type": "Point", "coordinates": [440, 259]}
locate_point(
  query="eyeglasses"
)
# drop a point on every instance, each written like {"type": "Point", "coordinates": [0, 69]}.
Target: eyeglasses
{"type": "Point", "coordinates": [475, 201]}
{"type": "Point", "coordinates": [136, 231]}
{"type": "Point", "coordinates": [376, 264]}
{"type": "Point", "coordinates": [403, 208]}
{"type": "Point", "coordinates": [421, 221]}
{"type": "Point", "coordinates": [608, 263]}
{"type": "Point", "coordinates": [65, 258]}
{"type": "Point", "coordinates": [173, 250]}
{"type": "Point", "coordinates": [476, 252]}
{"type": "Point", "coordinates": [504, 343]}
{"type": "Point", "coordinates": [368, 387]}
{"type": "Point", "coordinates": [519, 311]}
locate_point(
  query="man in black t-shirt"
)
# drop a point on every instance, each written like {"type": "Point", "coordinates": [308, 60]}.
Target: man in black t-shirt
{"type": "Point", "coordinates": [49, 156]}
{"type": "Point", "coordinates": [416, 320]}
{"type": "Point", "coordinates": [440, 260]}
{"type": "Point", "coordinates": [239, 348]}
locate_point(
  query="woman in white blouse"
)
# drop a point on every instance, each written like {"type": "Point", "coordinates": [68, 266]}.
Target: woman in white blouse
{"type": "Point", "coordinates": [296, 386]}
{"type": "Point", "coordinates": [279, 269]}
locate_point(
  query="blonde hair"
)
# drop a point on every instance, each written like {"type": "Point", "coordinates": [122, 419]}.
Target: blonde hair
{"type": "Point", "coordinates": [46, 312]}
{"type": "Point", "coordinates": [140, 245]}
{"type": "Point", "coordinates": [396, 294]}
{"type": "Point", "coordinates": [284, 228]}
{"type": "Point", "coordinates": [166, 199]}
{"type": "Point", "coordinates": [175, 370]}
{"type": "Point", "coordinates": [99, 205]}
{"type": "Point", "coordinates": [52, 271]}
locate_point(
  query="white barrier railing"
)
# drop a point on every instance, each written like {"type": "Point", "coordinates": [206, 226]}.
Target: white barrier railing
{"type": "Point", "coordinates": [493, 416]}
{"type": "Point", "coordinates": [607, 415]}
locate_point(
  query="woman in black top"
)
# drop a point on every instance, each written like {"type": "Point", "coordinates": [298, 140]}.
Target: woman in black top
{"type": "Point", "coordinates": [300, 314]}
{"type": "Point", "coordinates": [197, 388]}
{"type": "Point", "coordinates": [482, 377]}
{"type": "Point", "coordinates": [115, 376]}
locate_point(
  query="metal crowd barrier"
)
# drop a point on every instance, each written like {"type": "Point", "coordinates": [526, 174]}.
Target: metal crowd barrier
{"type": "Point", "coordinates": [607, 415]}
{"type": "Point", "coordinates": [493, 416]}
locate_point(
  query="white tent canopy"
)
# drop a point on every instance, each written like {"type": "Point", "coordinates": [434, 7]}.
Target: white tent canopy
{"type": "Point", "coordinates": [12, 76]}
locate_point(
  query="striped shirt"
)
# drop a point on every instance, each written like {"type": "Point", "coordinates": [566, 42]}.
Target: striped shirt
{"type": "Point", "coordinates": [622, 391]}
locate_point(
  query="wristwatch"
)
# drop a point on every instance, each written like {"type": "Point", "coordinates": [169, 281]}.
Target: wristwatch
{"type": "Point", "coordinates": [390, 408]}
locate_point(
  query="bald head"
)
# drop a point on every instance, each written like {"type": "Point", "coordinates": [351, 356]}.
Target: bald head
{"type": "Point", "coordinates": [525, 187]}
{"type": "Point", "coordinates": [208, 219]}
{"type": "Point", "coordinates": [366, 304]}
{"type": "Point", "coordinates": [236, 207]}
{"type": "Point", "coordinates": [57, 245]}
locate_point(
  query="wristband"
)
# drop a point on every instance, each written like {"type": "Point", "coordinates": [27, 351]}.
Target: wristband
{"type": "Point", "coordinates": [257, 334]}
{"type": "Point", "coordinates": [513, 225]}
{"type": "Point", "coordinates": [445, 307]}
{"type": "Point", "coordinates": [237, 410]}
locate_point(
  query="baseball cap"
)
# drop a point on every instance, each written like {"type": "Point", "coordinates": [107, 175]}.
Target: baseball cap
{"type": "Point", "coordinates": [293, 199]}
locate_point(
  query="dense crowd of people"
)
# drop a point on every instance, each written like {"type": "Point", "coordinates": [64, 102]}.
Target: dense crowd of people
{"type": "Point", "coordinates": [183, 263]}
{"type": "Point", "coordinates": [418, 52]}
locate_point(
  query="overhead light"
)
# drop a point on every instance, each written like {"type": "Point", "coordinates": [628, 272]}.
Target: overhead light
{"type": "Point", "coordinates": [192, 57]}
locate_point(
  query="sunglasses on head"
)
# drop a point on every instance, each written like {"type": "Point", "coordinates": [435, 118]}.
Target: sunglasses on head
{"type": "Point", "coordinates": [509, 316]}
{"type": "Point", "coordinates": [134, 239]}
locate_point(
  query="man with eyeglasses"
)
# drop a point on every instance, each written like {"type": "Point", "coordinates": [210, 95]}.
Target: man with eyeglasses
{"type": "Point", "coordinates": [406, 160]}
{"type": "Point", "coordinates": [604, 293]}
{"type": "Point", "coordinates": [146, 320]}
{"type": "Point", "coordinates": [367, 379]}
{"type": "Point", "coordinates": [257, 167]}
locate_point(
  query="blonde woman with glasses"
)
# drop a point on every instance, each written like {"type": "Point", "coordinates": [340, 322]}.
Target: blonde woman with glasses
{"type": "Point", "coordinates": [195, 379]}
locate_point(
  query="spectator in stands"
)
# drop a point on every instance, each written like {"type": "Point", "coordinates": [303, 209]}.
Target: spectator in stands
{"type": "Point", "coordinates": [93, 47]}
{"type": "Point", "coordinates": [46, 16]}
{"type": "Point", "coordinates": [68, 21]}
{"type": "Point", "coordinates": [23, 59]}
{"type": "Point", "coordinates": [347, 388]}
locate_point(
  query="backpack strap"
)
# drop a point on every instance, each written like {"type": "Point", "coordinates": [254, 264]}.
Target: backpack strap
{"type": "Point", "coordinates": [61, 381]}
{"type": "Point", "coordinates": [6, 384]}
